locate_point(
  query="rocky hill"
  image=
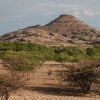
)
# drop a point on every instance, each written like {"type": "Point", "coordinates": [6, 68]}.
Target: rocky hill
{"type": "Point", "coordinates": [64, 30]}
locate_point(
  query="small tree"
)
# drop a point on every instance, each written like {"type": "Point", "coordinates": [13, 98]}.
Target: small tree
{"type": "Point", "coordinates": [10, 82]}
{"type": "Point", "coordinates": [63, 58]}
{"type": "Point", "coordinates": [20, 61]}
{"type": "Point", "coordinates": [84, 75]}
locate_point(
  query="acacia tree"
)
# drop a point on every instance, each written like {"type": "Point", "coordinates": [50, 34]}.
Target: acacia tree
{"type": "Point", "coordinates": [84, 75]}
{"type": "Point", "coordinates": [20, 61]}
{"type": "Point", "coordinates": [15, 63]}
{"type": "Point", "coordinates": [30, 64]}
{"type": "Point", "coordinates": [63, 58]}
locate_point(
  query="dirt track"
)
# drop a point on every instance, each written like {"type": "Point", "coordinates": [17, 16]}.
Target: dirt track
{"type": "Point", "coordinates": [45, 86]}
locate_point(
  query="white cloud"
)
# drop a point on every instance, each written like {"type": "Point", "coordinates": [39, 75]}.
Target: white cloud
{"type": "Point", "coordinates": [82, 12]}
{"type": "Point", "coordinates": [76, 13]}
{"type": "Point", "coordinates": [88, 12]}
{"type": "Point", "coordinates": [49, 13]}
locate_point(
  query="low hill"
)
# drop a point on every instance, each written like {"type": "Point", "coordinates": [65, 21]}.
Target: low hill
{"type": "Point", "coordinates": [64, 30]}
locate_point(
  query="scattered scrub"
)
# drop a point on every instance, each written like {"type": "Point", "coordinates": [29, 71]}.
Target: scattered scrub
{"type": "Point", "coordinates": [83, 75]}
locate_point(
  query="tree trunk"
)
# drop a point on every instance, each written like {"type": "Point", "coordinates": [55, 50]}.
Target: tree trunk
{"type": "Point", "coordinates": [28, 75]}
{"type": "Point", "coordinates": [6, 95]}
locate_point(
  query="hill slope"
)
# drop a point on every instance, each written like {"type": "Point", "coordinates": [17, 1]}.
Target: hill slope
{"type": "Point", "coordinates": [66, 29]}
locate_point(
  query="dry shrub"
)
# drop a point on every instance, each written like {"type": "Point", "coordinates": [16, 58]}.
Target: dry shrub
{"type": "Point", "coordinates": [10, 82]}
{"type": "Point", "coordinates": [86, 75]}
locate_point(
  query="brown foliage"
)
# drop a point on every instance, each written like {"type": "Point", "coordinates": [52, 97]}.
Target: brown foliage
{"type": "Point", "coordinates": [84, 75]}
{"type": "Point", "coordinates": [10, 82]}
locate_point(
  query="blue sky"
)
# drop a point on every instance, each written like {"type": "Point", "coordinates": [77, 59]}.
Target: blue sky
{"type": "Point", "coordinates": [18, 14]}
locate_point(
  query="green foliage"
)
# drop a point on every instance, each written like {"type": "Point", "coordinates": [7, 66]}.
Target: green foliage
{"type": "Point", "coordinates": [93, 53]}
{"type": "Point", "coordinates": [63, 58]}
{"type": "Point", "coordinates": [44, 53]}
{"type": "Point", "coordinates": [72, 53]}
{"type": "Point", "coordinates": [41, 52]}
{"type": "Point", "coordinates": [21, 61]}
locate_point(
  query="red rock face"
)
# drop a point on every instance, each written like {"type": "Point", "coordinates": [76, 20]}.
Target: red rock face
{"type": "Point", "coordinates": [65, 29]}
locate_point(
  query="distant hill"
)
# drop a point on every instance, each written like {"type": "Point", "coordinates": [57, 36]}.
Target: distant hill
{"type": "Point", "coordinates": [64, 30]}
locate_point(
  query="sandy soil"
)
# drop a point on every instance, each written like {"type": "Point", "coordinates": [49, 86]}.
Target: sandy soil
{"type": "Point", "coordinates": [44, 85]}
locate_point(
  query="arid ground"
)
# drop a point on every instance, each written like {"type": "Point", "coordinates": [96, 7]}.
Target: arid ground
{"type": "Point", "coordinates": [44, 85]}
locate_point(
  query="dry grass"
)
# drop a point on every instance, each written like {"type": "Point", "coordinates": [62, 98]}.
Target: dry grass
{"type": "Point", "coordinates": [46, 87]}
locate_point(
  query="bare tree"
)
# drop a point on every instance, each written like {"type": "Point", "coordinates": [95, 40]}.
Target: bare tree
{"type": "Point", "coordinates": [84, 75]}
{"type": "Point", "coordinates": [10, 82]}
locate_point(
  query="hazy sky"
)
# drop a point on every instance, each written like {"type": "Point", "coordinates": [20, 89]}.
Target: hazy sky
{"type": "Point", "coordinates": [18, 14]}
